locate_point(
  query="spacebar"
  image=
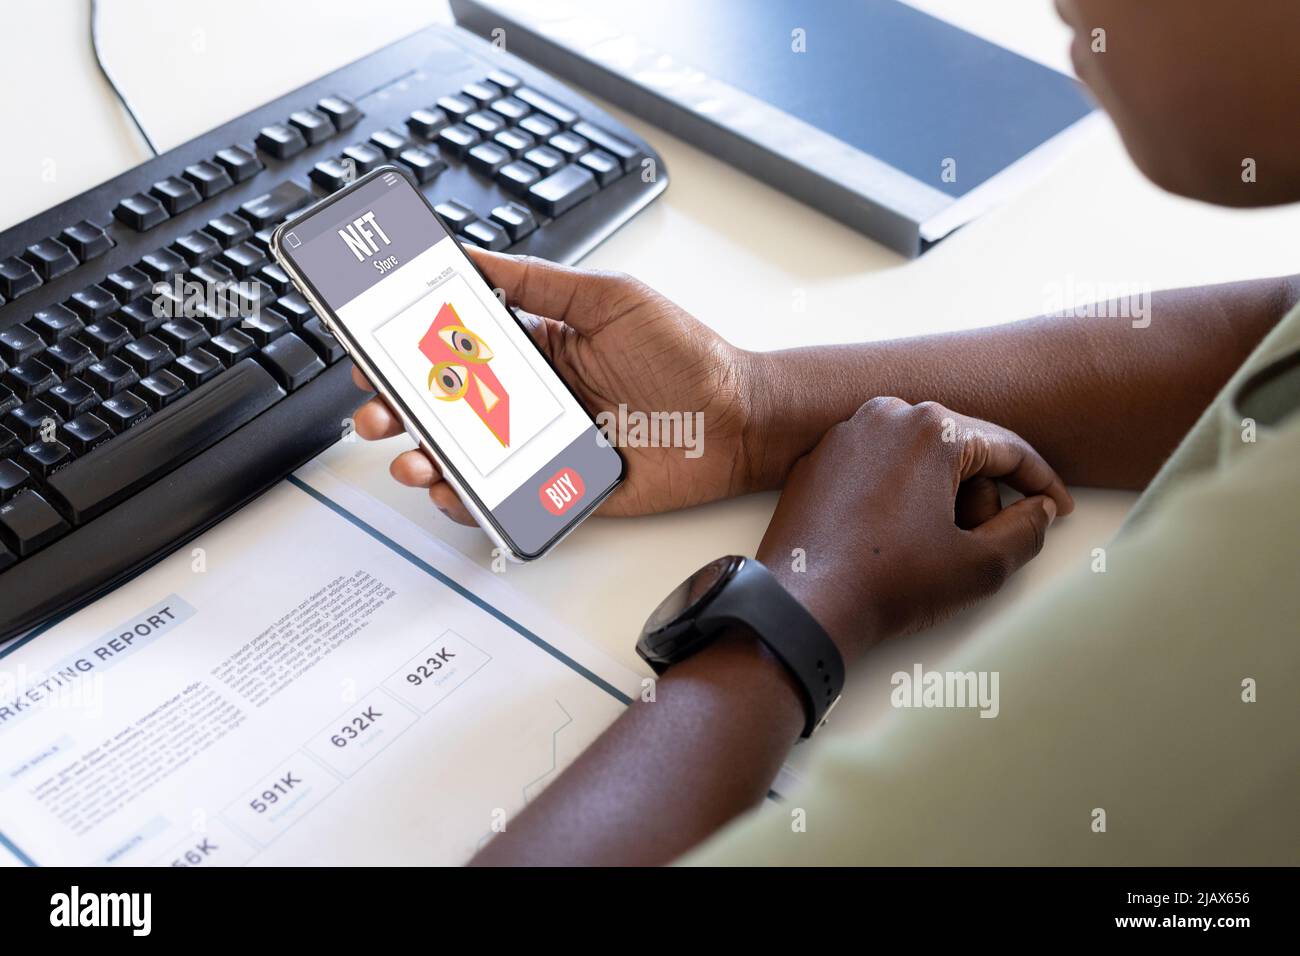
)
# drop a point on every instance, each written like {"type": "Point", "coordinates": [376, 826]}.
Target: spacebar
{"type": "Point", "coordinates": [143, 454]}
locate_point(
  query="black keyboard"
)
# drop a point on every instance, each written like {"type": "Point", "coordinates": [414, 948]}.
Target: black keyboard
{"type": "Point", "coordinates": [126, 431]}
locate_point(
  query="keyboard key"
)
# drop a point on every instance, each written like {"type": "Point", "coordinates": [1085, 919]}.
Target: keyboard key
{"type": "Point", "coordinates": [518, 176]}
{"type": "Point", "coordinates": [390, 141]}
{"type": "Point", "coordinates": [457, 214]}
{"type": "Point", "coordinates": [228, 230]}
{"type": "Point", "coordinates": [140, 318]}
{"type": "Point", "coordinates": [507, 81]}
{"type": "Point", "coordinates": [19, 343]}
{"type": "Point", "coordinates": [17, 277]}
{"type": "Point", "coordinates": [93, 302]}
{"type": "Point", "coordinates": [44, 458]}
{"type": "Point", "coordinates": [127, 283]}
{"type": "Point", "coordinates": [166, 440]}
{"type": "Point", "coordinates": [55, 323]}
{"type": "Point", "coordinates": [544, 104]}
{"type": "Point", "coordinates": [571, 145]}
{"type": "Point", "coordinates": [457, 138]}
{"type": "Point", "coordinates": [486, 234]}
{"type": "Point", "coordinates": [176, 194]}
{"type": "Point", "coordinates": [50, 258]}
{"type": "Point", "coordinates": [196, 367]}
{"type": "Point", "coordinates": [33, 420]}
{"type": "Point", "coordinates": [456, 107]}
{"type": "Point", "coordinates": [249, 296]}
{"type": "Point", "coordinates": [547, 160]}
{"type": "Point", "coordinates": [265, 328]}
{"type": "Point", "coordinates": [8, 402]}
{"type": "Point", "coordinates": [68, 357]}
{"type": "Point", "coordinates": [482, 92]}
{"type": "Point", "coordinates": [330, 174]}
{"type": "Point", "coordinates": [275, 277]}
{"type": "Point", "coordinates": [281, 141]}
{"type": "Point", "coordinates": [70, 398]}
{"type": "Point", "coordinates": [514, 141]}
{"type": "Point", "coordinates": [140, 212]}
{"type": "Point", "coordinates": [196, 248]}
{"type": "Point", "coordinates": [208, 178]}
{"type": "Point", "coordinates": [243, 260]}
{"type": "Point", "coordinates": [558, 193]}
{"type": "Point", "coordinates": [510, 108]}
{"type": "Point", "coordinates": [147, 355]}
{"type": "Point", "coordinates": [240, 162]}
{"type": "Point", "coordinates": [162, 265]}
{"type": "Point", "coordinates": [516, 218]}
{"type": "Point", "coordinates": [294, 308]}
{"type": "Point", "coordinates": [161, 389]}
{"type": "Point", "coordinates": [13, 479]}
{"type": "Point", "coordinates": [314, 125]}
{"type": "Point", "coordinates": [542, 127]}
{"type": "Point", "coordinates": [422, 164]}
{"type": "Point", "coordinates": [109, 376]}
{"type": "Point", "coordinates": [425, 123]}
{"type": "Point", "coordinates": [271, 208]}
{"type": "Point", "coordinates": [487, 158]}
{"type": "Point", "coordinates": [488, 124]}
{"type": "Point", "coordinates": [123, 411]}
{"type": "Point", "coordinates": [603, 166]}
{"type": "Point", "coordinates": [104, 337]}
{"type": "Point", "coordinates": [28, 523]}
{"type": "Point", "coordinates": [626, 153]}
{"type": "Point", "coordinates": [86, 240]}
{"type": "Point", "coordinates": [231, 346]}
{"type": "Point", "coordinates": [342, 113]}
{"type": "Point", "coordinates": [85, 433]}
{"type": "Point", "coordinates": [363, 157]}
{"type": "Point", "coordinates": [291, 361]}
{"type": "Point", "coordinates": [182, 335]}
{"type": "Point", "coordinates": [29, 379]}
{"type": "Point", "coordinates": [322, 342]}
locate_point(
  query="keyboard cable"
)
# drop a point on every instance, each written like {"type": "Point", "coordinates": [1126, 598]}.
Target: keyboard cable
{"type": "Point", "coordinates": [99, 62]}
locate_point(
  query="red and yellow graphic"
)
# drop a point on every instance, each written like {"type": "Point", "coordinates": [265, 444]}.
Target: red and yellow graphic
{"type": "Point", "coordinates": [460, 371]}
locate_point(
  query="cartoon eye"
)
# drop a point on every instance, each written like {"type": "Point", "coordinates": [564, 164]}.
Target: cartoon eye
{"type": "Point", "coordinates": [448, 381]}
{"type": "Point", "coordinates": [465, 343]}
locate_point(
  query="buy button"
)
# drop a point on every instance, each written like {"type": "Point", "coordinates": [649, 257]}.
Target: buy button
{"type": "Point", "coordinates": [559, 494]}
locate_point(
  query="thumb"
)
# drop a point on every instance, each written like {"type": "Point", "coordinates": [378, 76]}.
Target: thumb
{"type": "Point", "coordinates": [580, 298]}
{"type": "Point", "coordinates": [1016, 533]}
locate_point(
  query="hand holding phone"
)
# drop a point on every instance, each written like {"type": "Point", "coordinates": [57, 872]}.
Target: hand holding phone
{"type": "Point", "coordinates": [626, 351]}
{"type": "Point", "coordinates": [451, 361]}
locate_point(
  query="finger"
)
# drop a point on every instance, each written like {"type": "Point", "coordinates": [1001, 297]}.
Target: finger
{"type": "Point", "coordinates": [581, 298]}
{"type": "Point", "coordinates": [1016, 533]}
{"type": "Point", "coordinates": [993, 452]}
{"type": "Point", "coordinates": [375, 420]}
{"type": "Point", "coordinates": [414, 469]}
{"type": "Point", "coordinates": [446, 501]}
{"type": "Point", "coordinates": [359, 379]}
{"type": "Point", "coordinates": [978, 500]}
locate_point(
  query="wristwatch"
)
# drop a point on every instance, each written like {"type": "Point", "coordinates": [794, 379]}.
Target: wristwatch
{"type": "Point", "coordinates": [735, 590]}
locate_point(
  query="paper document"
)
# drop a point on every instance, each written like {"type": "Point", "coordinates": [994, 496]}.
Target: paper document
{"type": "Point", "coordinates": [314, 681]}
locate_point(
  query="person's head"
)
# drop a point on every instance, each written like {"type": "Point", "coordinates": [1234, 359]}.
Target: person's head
{"type": "Point", "coordinates": [1205, 93]}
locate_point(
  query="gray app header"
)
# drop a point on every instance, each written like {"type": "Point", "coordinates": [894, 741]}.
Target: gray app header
{"type": "Point", "coordinates": [362, 238]}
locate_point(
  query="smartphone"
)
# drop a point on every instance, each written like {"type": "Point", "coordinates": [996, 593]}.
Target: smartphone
{"type": "Point", "coordinates": [393, 284]}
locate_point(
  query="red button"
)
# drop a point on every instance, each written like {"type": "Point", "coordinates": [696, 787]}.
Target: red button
{"type": "Point", "coordinates": [562, 492]}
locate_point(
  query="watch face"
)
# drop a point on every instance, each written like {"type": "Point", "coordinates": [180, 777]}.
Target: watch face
{"type": "Point", "coordinates": [691, 593]}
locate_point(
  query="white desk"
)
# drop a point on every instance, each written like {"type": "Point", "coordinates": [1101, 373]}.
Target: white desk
{"type": "Point", "coordinates": [188, 65]}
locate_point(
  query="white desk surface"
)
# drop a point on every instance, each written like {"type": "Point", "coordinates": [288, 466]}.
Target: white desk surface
{"type": "Point", "coordinates": [187, 66]}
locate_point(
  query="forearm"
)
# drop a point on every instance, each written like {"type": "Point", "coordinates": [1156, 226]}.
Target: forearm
{"type": "Point", "coordinates": [1104, 402]}
{"type": "Point", "coordinates": [668, 772]}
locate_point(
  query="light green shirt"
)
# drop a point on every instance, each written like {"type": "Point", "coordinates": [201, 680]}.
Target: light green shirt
{"type": "Point", "coordinates": [1149, 714]}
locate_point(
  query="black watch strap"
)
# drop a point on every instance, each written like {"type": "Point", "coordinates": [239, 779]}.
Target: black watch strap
{"type": "Point", "coordinates": [755, 598]}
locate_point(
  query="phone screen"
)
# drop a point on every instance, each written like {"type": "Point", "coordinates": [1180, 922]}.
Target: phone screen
{"type": "Point", "coordinates": [400, 291]}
